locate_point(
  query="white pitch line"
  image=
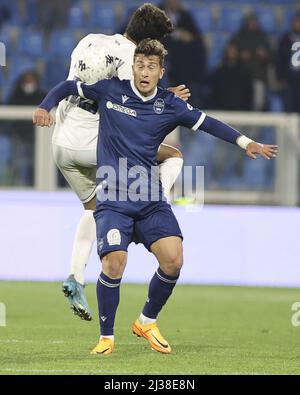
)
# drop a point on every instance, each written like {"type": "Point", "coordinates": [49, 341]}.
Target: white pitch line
{"type": "Point", "coordinates": [9, 341]}
{"type": "Point", "coordinates": [8, 370]}
{"type": "Point", "coordinates": [59, 371]}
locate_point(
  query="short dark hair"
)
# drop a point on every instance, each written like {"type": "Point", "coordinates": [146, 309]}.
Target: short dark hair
{"type": "Point", "coordinates": [148, 21]}
{"type": "Point", "coordinates": [150, 47]}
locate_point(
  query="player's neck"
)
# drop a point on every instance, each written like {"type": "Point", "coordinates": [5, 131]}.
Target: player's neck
{"type": "Point", "coordinates": [129, 38]}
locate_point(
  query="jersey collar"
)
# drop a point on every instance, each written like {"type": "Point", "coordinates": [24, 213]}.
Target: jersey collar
{"type": "Point", "coordinates": [144, 98]}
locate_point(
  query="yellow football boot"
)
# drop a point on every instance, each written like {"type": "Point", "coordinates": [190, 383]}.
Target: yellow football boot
{"type": "Point", "coordinates": [105, 346]}
{"type": "Point", "coordinates": [151, 333]}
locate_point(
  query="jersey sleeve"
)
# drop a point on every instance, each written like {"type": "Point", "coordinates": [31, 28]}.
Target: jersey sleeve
{"type": "Point", "coordinates": [93, 91]}
{"type": "Point", "coordinates": [188, 116]}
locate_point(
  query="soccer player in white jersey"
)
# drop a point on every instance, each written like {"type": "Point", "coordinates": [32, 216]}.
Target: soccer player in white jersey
{"type": "Point", "coordinates": [76, 134]}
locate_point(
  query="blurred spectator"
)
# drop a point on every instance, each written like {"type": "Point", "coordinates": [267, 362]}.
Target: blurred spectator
{"type": "Point", "coordinates": [53, 14]}
{"type": "Point", "coordinates": [26, 92]}
{"type": "Point", "coordinates": [254, 49]}
{"type": "Point", "coordinates": [287, 74]}
{"type": "Point", "coordinates": [187, 54]}
{"type": "Point", "coordinates": [231, 83]}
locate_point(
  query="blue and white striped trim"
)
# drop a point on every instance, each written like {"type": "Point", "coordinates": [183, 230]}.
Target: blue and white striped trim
{"type": "Point", "coordinates": [199, 122]}
{"type": "Point", "coordinates": [165, 279]}
{"type": "Point", "coordinates": [80, 91]}
{"type": "Point", "coordinates": [109, 285]}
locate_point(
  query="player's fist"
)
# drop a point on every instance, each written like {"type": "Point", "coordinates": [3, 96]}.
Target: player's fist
{"type": "Point", "coordinates": [42, 117]}
{"type": "Point", "coordinates": [264, 150]}
{"type": "Point", "coordinates": [181, 91]}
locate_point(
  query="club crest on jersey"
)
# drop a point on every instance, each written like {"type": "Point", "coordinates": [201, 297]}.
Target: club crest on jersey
{"type": "Point", "coordinates": [114, 237]}
{"type": "Point", "coordinates": [124, 99]}
{"type": "Point", "coordinates": [118, 107]}
{"type": "Point", "coordinates": [159, 106]}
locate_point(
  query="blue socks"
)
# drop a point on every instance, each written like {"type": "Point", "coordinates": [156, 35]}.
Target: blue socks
{"type": "Point", "coordinates": [160, 289]}
{"type": "Point", "coordinates": [108, 296]}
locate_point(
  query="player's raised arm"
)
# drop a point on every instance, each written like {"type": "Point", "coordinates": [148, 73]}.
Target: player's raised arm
{"type": "Point", "coordinates": [41, 116]}
{"type": "Point", "coordinates": [227, 133]}
{"type": "Point", "coordinates": [194, 119]}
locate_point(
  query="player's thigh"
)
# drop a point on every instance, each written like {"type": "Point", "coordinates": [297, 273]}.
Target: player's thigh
{"type": "Point", "coordinates": [167, 151]}
{"type": "Point", "coordinates": [114, 231]}
{"type": "Point", "coordinates": [169, 253]}
{"type": "Point", "coordinates": [158, 224]}
{"type": "Point", "coordinates": [82, 179]}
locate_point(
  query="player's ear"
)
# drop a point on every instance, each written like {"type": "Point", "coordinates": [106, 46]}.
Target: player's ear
{"type": "Point", "coordinates": [162, 72]}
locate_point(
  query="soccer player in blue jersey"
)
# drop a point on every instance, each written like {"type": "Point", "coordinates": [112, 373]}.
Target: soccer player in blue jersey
{"type": "Point", "coordinates": [136, 116]}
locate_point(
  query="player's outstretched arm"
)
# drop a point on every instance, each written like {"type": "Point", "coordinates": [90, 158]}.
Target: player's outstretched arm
{"type": "Point", "coordinates": [181, 91]}
{"type": "Point", "coordinates": [41, 116]}
{"type": "Point", "coordinates": [227, 133]}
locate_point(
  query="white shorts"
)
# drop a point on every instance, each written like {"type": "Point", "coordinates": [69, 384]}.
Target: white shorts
{"type": "Point", "coordinates": [79, 169]}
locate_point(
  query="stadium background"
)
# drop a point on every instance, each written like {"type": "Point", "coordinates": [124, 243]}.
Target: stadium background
{"type": "Point", "coordinates": [36, 194]}
{"type": "Point", "coordinates": [246, 234]}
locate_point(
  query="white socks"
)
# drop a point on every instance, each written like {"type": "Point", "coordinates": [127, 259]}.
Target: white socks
{"type": "Point", "coordinates": [169, 170]}
{"type": "Point", "coordinates": [145, 320]}
{"type": "Point", "coordinates": [82, 245]}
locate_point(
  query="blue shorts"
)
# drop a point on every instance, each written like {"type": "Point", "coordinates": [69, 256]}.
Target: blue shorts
{"type": "Point", "coordinates": [115, 228]}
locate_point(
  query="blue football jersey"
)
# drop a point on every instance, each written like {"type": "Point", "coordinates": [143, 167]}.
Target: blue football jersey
{"type": "Point", "coordinates": [132, 127]}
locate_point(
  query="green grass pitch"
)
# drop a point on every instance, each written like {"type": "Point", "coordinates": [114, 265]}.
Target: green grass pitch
{"type": "Point", "coordinates": [212, 330]}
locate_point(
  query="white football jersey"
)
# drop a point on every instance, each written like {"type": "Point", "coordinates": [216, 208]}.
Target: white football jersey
{"type": "Point", "coordinates": [75, 128]}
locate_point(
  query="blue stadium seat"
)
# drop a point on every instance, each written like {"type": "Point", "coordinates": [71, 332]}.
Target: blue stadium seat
{"type": "Point", "coordinates": [61, 43]}
{"type": "Point", "coordinates": [275, 103]}
{"type": "Point", "coordinates": [230, 19]}
{"type": "Point", "coordinates": [204, 19]}
{"type": "Point", "coordinates": [255, 173]}
{"type": "Point", "coordinates": [31, 14]}
{"type": "Point", "coordinates": [267, 19]}
{"type": "Point", "coordinates": [5, 156]}
{"type": "Point", "coordinates": [31, 43]}
{"type": "Point", "coordinates": [56, 70]}
{"type": "Point", "coordinates": [287, 18]}
{"type": "Point", "coordinates": [103, 18]}
{"type": "Point", "coordinates": [218, 45]}
{"type": "Point", "coordinates": [76, 17]}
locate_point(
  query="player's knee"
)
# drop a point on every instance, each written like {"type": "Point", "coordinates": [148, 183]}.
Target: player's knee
{"type": "Point", "coordinates": [173, 263]}
{"type": "Point", "coordinates": [113, 265]}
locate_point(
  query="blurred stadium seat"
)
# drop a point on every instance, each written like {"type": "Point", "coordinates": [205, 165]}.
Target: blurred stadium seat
{"type": "Point", "coordinates": [103, 17]}
{"type": "Point", "coordinates": [230, 19]}
{"type": "Point", "coordinates": [76, 18]}
{"type": "Point", "coordinates": [61, 43]}
{"type": "Point", "coordinates": [204, 19]}
{"type": "Point", "coordinates": [31, 43]}
{"type": "Point", "coordinates": [219, 42]}
{"type": "Point", "coordinates": [267, 19]}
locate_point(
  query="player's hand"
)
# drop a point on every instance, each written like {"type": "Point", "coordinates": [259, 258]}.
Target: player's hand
{"type": "Point", "coordinates": [264, 150]}
{"type": "Point", "coordinates": [42, 117]}
{"type": "Point", "coordinates": [181, 91]}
